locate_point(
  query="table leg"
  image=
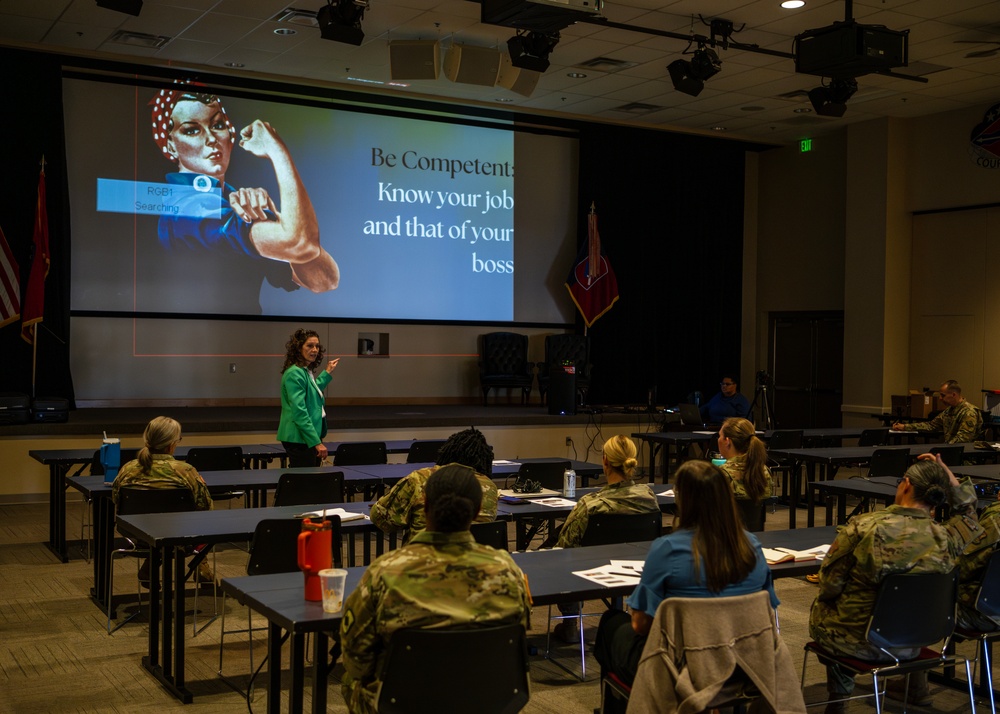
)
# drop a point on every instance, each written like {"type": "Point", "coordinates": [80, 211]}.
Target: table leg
{"type": "Point", "coordinates": [102, 510]}
{"type": "Point", "coordinates": [57, 511]}
{"type": "Point", "coordinates": [179, 608]}
{"type": "Point", "coordinates": [167, 616]}
{"type": "Point", "coordinates": [810, 504]}
{"type": "Point", "coordinates": [795, 477]}
{"type": "Point", "coordinates": [841, 510]}
{"type": "Point", "coordinates": [296, 667]}
{"type": "Point", "coordinates": [321, 654]}
{"type": "Point", "coordinates": [273, 668]}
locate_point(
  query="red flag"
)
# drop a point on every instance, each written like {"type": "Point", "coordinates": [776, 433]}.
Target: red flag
{"type": "Point", "coordinates": [591, 282]}
{"type": "Point", "coordinates": [10, 285]}
{"type": "Point", "coordinates": [34, 296]}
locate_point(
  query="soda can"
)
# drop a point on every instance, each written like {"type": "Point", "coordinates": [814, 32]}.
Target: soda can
{"type": "Point", "coordinates": [569, 483]}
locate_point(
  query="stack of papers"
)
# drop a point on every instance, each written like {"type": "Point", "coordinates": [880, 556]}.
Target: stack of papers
{"type": "Point", "coordinates": [618, 572]}
{"type": "Point", "coordinates": [781, 555]}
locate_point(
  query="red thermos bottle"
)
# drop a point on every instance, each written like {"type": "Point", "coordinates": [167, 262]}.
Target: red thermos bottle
{"type": "Point", "coordinates": [315, 554]}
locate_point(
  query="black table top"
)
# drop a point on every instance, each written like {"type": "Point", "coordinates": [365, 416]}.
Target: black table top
{"type": "Point", "coordinates": [856, 454]}
{"type": "Point", "coordinates": [85, 456]}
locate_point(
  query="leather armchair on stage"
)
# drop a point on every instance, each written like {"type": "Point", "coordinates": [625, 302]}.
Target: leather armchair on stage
{"type": "Point", "coordinates": [503, 362]}
{"type": "Point", "coordinates": [566, 348]}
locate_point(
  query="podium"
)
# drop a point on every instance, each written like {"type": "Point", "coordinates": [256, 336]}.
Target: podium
{"type": "Point", "coordinates": [562, 392]}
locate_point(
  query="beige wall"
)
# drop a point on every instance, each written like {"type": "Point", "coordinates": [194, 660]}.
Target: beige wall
{"type": "Point", "coordinates": [835, 230]}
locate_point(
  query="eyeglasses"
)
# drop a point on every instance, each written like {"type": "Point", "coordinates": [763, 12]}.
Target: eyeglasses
{"type": "Point", "coordinates": [727, 384]}
{"type": "Point", "coordinates": [901, 479]}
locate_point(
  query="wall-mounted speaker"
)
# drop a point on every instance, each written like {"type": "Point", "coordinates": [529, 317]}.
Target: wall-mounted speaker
{"type": "Point", "coordinates": [414, 59]}
{"type": "Point", "coordinates": [472, 65]}
{"type": "Point", "coordinates": [521, 81]}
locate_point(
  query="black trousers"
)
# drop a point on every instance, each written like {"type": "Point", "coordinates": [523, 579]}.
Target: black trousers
{"type": "Point", "coordinates": [300, 455]}
{"type": "Point", "coordinates": [618, 648]}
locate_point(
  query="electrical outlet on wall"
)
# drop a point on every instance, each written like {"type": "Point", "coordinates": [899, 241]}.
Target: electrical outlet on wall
{"type": "Point", "coordinates": [569, 441]}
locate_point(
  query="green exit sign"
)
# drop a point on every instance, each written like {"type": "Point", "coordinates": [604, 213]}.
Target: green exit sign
{"type": "Point", "coordinates": [806, 145]}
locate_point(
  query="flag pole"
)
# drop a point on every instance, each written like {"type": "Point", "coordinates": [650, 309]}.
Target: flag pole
{"type": "Point", "coordinates": [34, 328]}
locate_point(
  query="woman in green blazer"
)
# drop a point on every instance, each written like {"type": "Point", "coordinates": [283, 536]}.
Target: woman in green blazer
{"type": "Point", "coordinates": [303, 418]}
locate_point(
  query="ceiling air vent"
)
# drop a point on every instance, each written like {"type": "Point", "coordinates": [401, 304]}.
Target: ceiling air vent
{"type": "Point", "coordinates": [606, 64]}
{"type": "Point", "coordinates": [637, 108]}
{"type": "Point", "coordinates": [139, 39]}
{"type": "Point", "coordinates": [294, 16]}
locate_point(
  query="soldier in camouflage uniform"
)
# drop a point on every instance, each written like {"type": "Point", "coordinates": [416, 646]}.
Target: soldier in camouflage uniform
{"type": "Point", "coordinates": [620, 495]}
{"type": "Point", "coordinates": [156, 467]}
{"type": "Point", "coordinates": [960, 422]}
{"type": "Point", "coordinates": [746, 467]}
{"type": "Point", "coordinates": [972, 566]}
{"type": "Point", "coordinates": [902, 538]}
{"type": "Point", "coordinates": [403, 506]}
{"type": "Point", "coordinates": [442, 578]}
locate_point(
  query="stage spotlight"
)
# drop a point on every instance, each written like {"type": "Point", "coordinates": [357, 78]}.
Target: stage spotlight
{"type": "Point", "coordinates": [530, 50]}
{"type": "Point", "coordinates": [129, 7]}
{"type": "Point", "coordinates": [340, 21]}
{"type": "Point", "coordinates": [689, 77]}
{"type": "Point", "coordinates": [831, 100]}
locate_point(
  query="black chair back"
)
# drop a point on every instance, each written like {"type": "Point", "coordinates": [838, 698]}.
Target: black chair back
{"type": "Point", "coordinates": [275, 543]}
{"type": "Point", "coordinates": [493, 534]}
{"type": "Point", "coordinates": [548, 473]}
{"type": "Point", "coordinates": [503, 363]}
{"type": "Point", "coordinates": [988, 600]}
{"type": "Point", "coordinates": [753, 514]}
{"type": "Point", "coordinates": [300, 488]}
{"type": "Point", "coordinates": [360, 453]}
{"type": "Point", "coordinates": [913, 610]}
{"type": "Point", "coordinates": [608, 528]}
{"type": "Point", "coordinates": [426, 451]}
{"type": "Point", "coordinates": [874, 437]}
{"type": "Point", "coordinates": [889, 462]}
{"type": "Point", "coordinates": [133, 501]}
{"type": "Point", "coordinates": [785, 439]}
{"type": "Point", "coordinates": [215, 458]}
{"type": "Point", "coordinates": [950, 455]}
{"type": "Point", "coordinates": [417, 657]}
{"type": "Point", "coordinates": [97, 469]}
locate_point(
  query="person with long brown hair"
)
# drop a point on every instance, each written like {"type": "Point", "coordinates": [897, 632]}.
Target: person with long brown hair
{"type": "Point", "coordinates": [303, 414]}
{"type": "Point", "coordinates": [746, 467]}
{"type": "Point", "coordinates": [709, 554]}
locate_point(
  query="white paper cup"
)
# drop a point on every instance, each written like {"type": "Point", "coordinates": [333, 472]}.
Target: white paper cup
{"type": "Point", "coordinates": [333, 580]}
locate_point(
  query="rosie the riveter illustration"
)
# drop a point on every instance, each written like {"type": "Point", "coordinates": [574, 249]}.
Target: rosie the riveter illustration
{"type": "Point", "coordinates": [225, 240]}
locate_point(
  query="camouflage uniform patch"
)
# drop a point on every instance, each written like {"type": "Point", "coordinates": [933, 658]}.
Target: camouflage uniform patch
{"type": "Point", "coordinates": [622, 497]}
{"type": "Point", "coordinates": [874, 545]}
{"type": "Point", "coordinates": [403, 506]}
{"type": "Point", "coordinates": [438, 580]}
{"type": "Point", "coordinates": [166, 472]}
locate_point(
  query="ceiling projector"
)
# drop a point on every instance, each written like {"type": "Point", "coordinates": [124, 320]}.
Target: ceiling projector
{"type": "Point", "coordinates": [850, 49]}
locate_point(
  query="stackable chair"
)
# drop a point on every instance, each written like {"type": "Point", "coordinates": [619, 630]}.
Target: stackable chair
{"type": "Point", "coordinates": [493, 534]}
{"type": "Point", "coordinates": [988, 605]}
{"type": "Point", "coordinates": [305, 488]}
{"type": "Point", "coordinates": [219, 458]}
{"type": "Point", "coordinates": [416, 659]}
{"type": "Point", "coordinates": [546, 474]}
{"type": "Point", "coordinates": [134, 501]}
{"type": "Point", "coordinates": [606, 529]}
{"type": "Point", "coordinates": [912, 610]}
{"type": "Point", "coordinates": [273, 549]}
{"type": "Point", "coordinates": [361, 453]}
{"type": "Point", "coordinates": [951, 455]}
{"type": "Point", "coordinates": [783, 439]}
{"type": "Point", "coordinates": [97, 469]}
{"type": "Point", "coordinates": [874, 437]}
{"type": "Point", "coordinates": [423, 452]}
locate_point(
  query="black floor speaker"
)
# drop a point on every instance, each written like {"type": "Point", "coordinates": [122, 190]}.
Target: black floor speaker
{"type": "Point", "coordinates": [562, 392]}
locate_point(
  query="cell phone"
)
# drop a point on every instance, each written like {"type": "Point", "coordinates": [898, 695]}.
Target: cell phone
{"type": "Point", "coordinates": [514, 500]}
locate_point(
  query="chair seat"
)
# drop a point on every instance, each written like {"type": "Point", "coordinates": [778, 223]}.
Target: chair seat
{"type": "Point", "coordinates": [862, 666]}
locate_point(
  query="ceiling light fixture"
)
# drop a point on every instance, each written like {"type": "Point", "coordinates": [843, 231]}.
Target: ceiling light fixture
{"type": "Point", "coordinates": [530, 50]}
{"type": "Point", "coordinates": [793, 4]}
{"type": "Point", "coordinates": [340, 21]}
{"type": "Point", "coordinates": [129, 7]}
{"type": "Point", "coordinates": [576, 75]}
{"type": "Point", "coordinates": [689, 77]}
{"type": "Point", "coordinates": [285, 31]}
{"type": "Point", "coordinates": [831, 100]}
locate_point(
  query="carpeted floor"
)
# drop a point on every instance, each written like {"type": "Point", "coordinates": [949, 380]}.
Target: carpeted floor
{"type": "Point", "coordinates": [55, 654]}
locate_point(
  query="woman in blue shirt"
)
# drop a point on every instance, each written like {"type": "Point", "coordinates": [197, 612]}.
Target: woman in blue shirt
{"type": "Point", "coordinates": [708, 555]}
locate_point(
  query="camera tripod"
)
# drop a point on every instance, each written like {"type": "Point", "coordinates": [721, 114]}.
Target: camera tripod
{"type": "Point", "coordinates": [763, 398]}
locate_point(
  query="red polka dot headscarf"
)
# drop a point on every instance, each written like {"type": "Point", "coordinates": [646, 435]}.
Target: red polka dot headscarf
{"type": "Point", "coordinates": [163, 110]}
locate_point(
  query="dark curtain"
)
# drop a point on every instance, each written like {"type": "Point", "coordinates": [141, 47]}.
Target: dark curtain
{"type": "Point", "coordinates": [670, 212]}
{"type": "Point", "coordinates": [32, 121]}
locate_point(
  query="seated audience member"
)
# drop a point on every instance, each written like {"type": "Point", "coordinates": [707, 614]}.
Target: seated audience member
{"type": "Point", "coordinates": [441, 578]}
{"type": "Point", "coordinates": [903, 538]}
{"type": "Point", "coordinates": [709, 554]}
{"type": "Point", "coordinates": [746, 467]}
{"type": "Point", "coordinates": [960, 422]}
{"type": "Point", "coordinates": [156, 467]}
{"type": "Point", "coordinates": [403, 506]}
{"type": "Point", "coordinates": [620, 495]}
{"type": "Point", "coordinates": [727, 403]}
{"type": "Point", "coordinates": [972, 566]}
